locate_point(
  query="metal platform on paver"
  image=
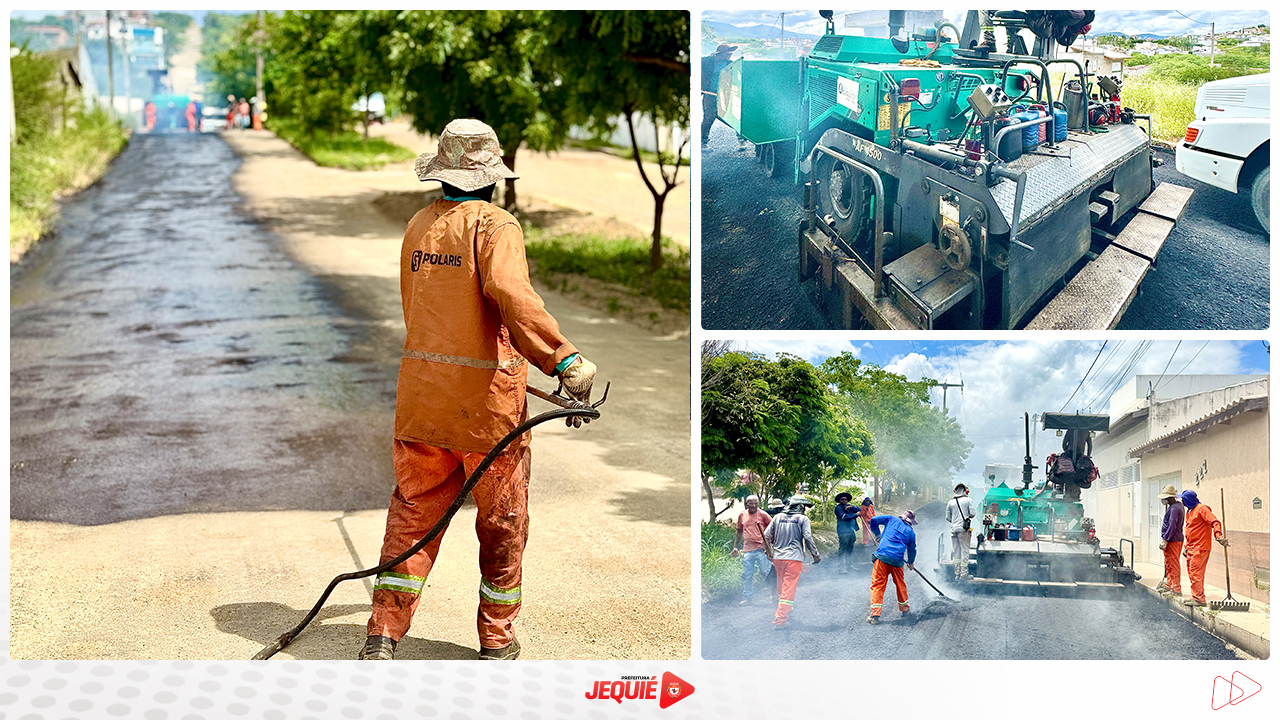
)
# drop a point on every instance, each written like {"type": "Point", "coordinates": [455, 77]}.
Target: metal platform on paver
{"type": "Point", "coordinates": [1097, 297]}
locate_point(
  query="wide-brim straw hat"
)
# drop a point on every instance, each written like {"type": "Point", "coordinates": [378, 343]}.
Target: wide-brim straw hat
{"type": "Point", "coordinates": [467, 157]}
{"type": "Point", "coordinates": [1168, 492]}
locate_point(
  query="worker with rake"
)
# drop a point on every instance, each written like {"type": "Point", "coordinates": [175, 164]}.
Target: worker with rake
{"type": "Point", "coordinates": [897, 549]}
{"type": "Point", "coordinates": [1202, 528]}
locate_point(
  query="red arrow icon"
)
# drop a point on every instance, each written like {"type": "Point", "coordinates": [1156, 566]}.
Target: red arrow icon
{"type": "Point", "coordinates": [1247, 685]}
{"type": "Point", "coordinates": [672, 690]}
{"type": "Point", "coordinates": [1224, 693]}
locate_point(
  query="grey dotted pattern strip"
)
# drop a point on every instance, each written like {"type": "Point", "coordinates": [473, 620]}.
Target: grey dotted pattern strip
{"type": "Point", "coordinates": [343, 690]}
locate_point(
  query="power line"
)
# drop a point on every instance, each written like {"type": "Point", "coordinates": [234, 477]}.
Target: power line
{"type": "Point", "coordinates": [1086, 374]}
{"type": "Point", "coordinates": [1166, 366]}
{"type": "Point", "coordinates": [1201, 22]}
{"type": "Point", "coordinates": [1193, 359]}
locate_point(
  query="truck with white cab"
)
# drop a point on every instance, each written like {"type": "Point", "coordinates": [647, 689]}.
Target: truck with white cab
{"type": "Point", "coordinates": [1229, 144]}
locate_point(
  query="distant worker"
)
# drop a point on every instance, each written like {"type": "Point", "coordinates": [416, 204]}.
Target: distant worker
{"type": "Point", "coordinates": [473, 327]}
{"type": "Point", "coordinates": [960, 515]}
{"type": "Point", "coordinates": [897, 549]}
{"type": "Point", "coordinates": [1171, 539]}
{"type": "Point", "coordinates": [865, 513]}
{"type": "Point", "coordinates": [191, 116]}
{"type": "Point", "coordinates": [846, 530]}
{"type": "Point", "coordinates": [149, 115]}
{"type": "Point", "coordinates": [1201, 528]}
{"type": "Point", "coordinates": [243, 113]}
{"type": "Point", "coordinates": [790, 534]}
{"type": "Point", "coordinates": [750, 538]}
{"type": "Point", "coordinates": [233, 108]}
{"type": "Point", "coordinates": [711, 66]}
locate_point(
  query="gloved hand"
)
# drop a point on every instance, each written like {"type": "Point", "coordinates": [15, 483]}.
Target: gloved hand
{"type": "Point", "coordinates": [734, 552]}
{"type": "Point", "coordinates": [1222, 541]}
{"type": "Point", "coordinates": [1163, 544]}
{"type": "Point", "coordinates": [577, 380]}
{"type": "Point", "coordinates": [816, 558]}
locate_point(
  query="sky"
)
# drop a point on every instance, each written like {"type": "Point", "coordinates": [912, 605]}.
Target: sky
{"type": "Point", "coordinates": [1131, 22]}
{"type": "Point", "coordinates": [1002, 380]}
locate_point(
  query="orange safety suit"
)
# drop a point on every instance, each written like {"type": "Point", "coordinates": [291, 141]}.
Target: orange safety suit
{"type": "Point", "coordinates": [149, 113]}
{"type": "Point", "coordinates": [1201, 529]}
{"type": "Point", "coordinates": [880, 574]}
{"type": "Point", "coordinates": [788, 579]}
{"type": "Point", "coordinates": [1173, 567]}
{"type": "Point", "coordinates": [865, 514]}
{"type": "Point", "coordinates": [473, 323]}
{"type": "Point", "coordinates": [191, 117]}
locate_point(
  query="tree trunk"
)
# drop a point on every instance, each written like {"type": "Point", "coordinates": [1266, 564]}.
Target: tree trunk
{"type": "Point", "coordinates": [509, 196]}
{"type": "Point", "coordinates": [655, 252]}
{"type": "Point", "coordinates": [711, 502]}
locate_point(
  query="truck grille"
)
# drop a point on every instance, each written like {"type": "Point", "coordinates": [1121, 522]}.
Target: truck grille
{"type": "Point", "coordinates": [828, 46]}
{"type": "Point", "coordinates": [822, 95]}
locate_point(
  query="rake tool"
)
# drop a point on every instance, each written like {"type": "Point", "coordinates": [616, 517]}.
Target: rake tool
{"type": "Point", "coordinates": [935, 587]}
{"type": "Point", "coordinates": [1229, 603]}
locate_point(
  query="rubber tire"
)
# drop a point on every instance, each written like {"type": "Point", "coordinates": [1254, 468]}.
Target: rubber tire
{"type": "Point", "coordinates": [1260, 197]}
{"type": "Point", "coordinates": [766, 158]}
{"type": "Point", "coordinates": [855, 224]}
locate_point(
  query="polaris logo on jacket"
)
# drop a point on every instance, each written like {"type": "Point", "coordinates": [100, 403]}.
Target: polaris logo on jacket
{"type": "Point", "coordinates": [419, 257]}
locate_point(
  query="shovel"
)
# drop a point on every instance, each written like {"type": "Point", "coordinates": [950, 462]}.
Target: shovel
{"type": "Point", "coordinates": [1229, 603]}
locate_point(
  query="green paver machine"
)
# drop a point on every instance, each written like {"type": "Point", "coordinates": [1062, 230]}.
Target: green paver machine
{"type": "Point", "coordinates": [948, 185]}
{"type": "Point", "coordinates": [1037, 541]}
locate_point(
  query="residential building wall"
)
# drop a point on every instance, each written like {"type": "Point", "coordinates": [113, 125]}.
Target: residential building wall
{"type": "Point", "coordinates": [1232, 459]}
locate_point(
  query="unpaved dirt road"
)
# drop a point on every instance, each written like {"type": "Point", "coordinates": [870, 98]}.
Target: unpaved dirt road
{"type": "Point", "coordinates": [200, 433]}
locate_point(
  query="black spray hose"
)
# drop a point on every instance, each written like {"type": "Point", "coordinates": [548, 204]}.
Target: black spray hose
{"type": "Point", "coordinates": [584, 412]}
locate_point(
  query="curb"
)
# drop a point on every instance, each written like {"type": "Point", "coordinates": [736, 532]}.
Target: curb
{"type": "Point", "coordinates": [1251, 643]}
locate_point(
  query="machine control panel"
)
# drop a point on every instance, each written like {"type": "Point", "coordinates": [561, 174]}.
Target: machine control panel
{"type": "Point", "coordinates": [989, 99]}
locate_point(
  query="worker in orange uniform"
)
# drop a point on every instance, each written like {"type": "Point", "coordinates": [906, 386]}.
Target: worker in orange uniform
{"type": "Point", "coordinates": [191, 117]}
{"type": "Point", "coordinates": [473, 325]}
{"type": "Point", "coordinates": [790, 534]}
{"type": "Point", "coordinates": [897, 549]}
{"type": "Point", "coordinates": [149, 115]}
{"type": "Point", "coordinates": [1171, 541]}
{"type": "Point", "coordinates": [866, 512]}
{"type": "Point", "coordinates": [1201, 527]}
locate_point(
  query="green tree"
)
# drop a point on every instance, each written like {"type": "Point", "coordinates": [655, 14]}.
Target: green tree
{"type": "Point", "coordinates": [175, 26]}
{"type": "Point", "coordinates": [619, 65]}
{"type": "Point", "coordinates": [778, 419]}
{"type": "Point", "coordinates": [916, 443]}
{"type": "Point", "coordinates": [483, 64]}
{"type": "Point", "coordinates": [228, 64]}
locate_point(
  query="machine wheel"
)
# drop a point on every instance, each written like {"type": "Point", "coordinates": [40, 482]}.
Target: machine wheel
{"type": "Point", "coordinates": [777, 157]}
{"type": "Point", "coordinates": [955, 247]}
{"type": "Point", "coordinates": [1260, 197]}
{"type": "Point", "coordinates": [844, 199]}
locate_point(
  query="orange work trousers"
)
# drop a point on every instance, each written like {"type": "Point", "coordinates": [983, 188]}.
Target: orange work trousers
{"type": "Point", "coordinates": [880, 574]}
{"type": "Point", "coordinates": [866, 531]}
{"type": "Point", "coordinates": [788, 578]}
{"type": "Point", "coordinates": [1197, 561]}
{"type": "Point", "coordinates": [427, 480]}
{"type": "Point", "coordinates": [1173, 567]}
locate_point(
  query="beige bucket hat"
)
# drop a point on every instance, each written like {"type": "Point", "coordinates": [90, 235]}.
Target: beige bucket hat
{"type": "Point", "coordinates": [468, 158]}
{"type": "Point", "coordinates": [1168, 492]}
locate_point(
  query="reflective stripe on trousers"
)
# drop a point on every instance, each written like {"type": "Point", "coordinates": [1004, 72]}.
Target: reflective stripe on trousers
{"type": "Point", "coordinates": [788, 578]}
{"type": "Point", "coordinates": [880, 574]}
{"type": "Point", "coordinates": [427, 480]}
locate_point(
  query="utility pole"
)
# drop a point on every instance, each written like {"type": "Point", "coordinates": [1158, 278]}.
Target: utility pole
{"type": "Point", "coordinates": [111, 76]}
{"type": "Point", "coordinates": [1213, 41]}
{"type": "Point", "coordinates": [944, 387]}
{"type": "Point", "coordinates": [126, 41]}
{"type": "Point", "coordinates": [782, 36]}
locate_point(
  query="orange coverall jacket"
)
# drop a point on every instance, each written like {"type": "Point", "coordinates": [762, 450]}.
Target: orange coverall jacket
{"type": "Point", "coordinates": [472, 320]}
{"type": "Point", "coordinates": [1201, 528]}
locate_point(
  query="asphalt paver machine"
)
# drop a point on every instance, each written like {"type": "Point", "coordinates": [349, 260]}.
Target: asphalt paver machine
{"type": "Point", "coordinates": [1037, 540]}
{"type": "Point", "coordinates": [948, 185]}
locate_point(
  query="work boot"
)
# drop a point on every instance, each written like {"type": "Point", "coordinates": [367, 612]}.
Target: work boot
{"type": "Point", "coordinates": [873, 620]}
{"type": "Point", "coordinates": [378, 647]}
{"type": "Point", "coordinates": [1192, 602]}
{"type": "Point", "coordinates": [507, 652]}
{"type": "Point", "coordinates": [1161, 587]}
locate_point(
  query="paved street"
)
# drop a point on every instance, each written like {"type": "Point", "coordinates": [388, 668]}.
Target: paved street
{"type": "Point", "coordinates": [1213, 273]}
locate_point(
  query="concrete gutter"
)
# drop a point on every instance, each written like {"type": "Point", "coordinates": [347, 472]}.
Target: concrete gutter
{"type": "Point", "coordinates": [1249, 631]}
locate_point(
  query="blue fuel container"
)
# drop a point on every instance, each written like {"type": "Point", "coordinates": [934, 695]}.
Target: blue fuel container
{"type": "Point", "coordinates": [1030, 135]}
{"type": "Point", "coordinates": [1059, 125]}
